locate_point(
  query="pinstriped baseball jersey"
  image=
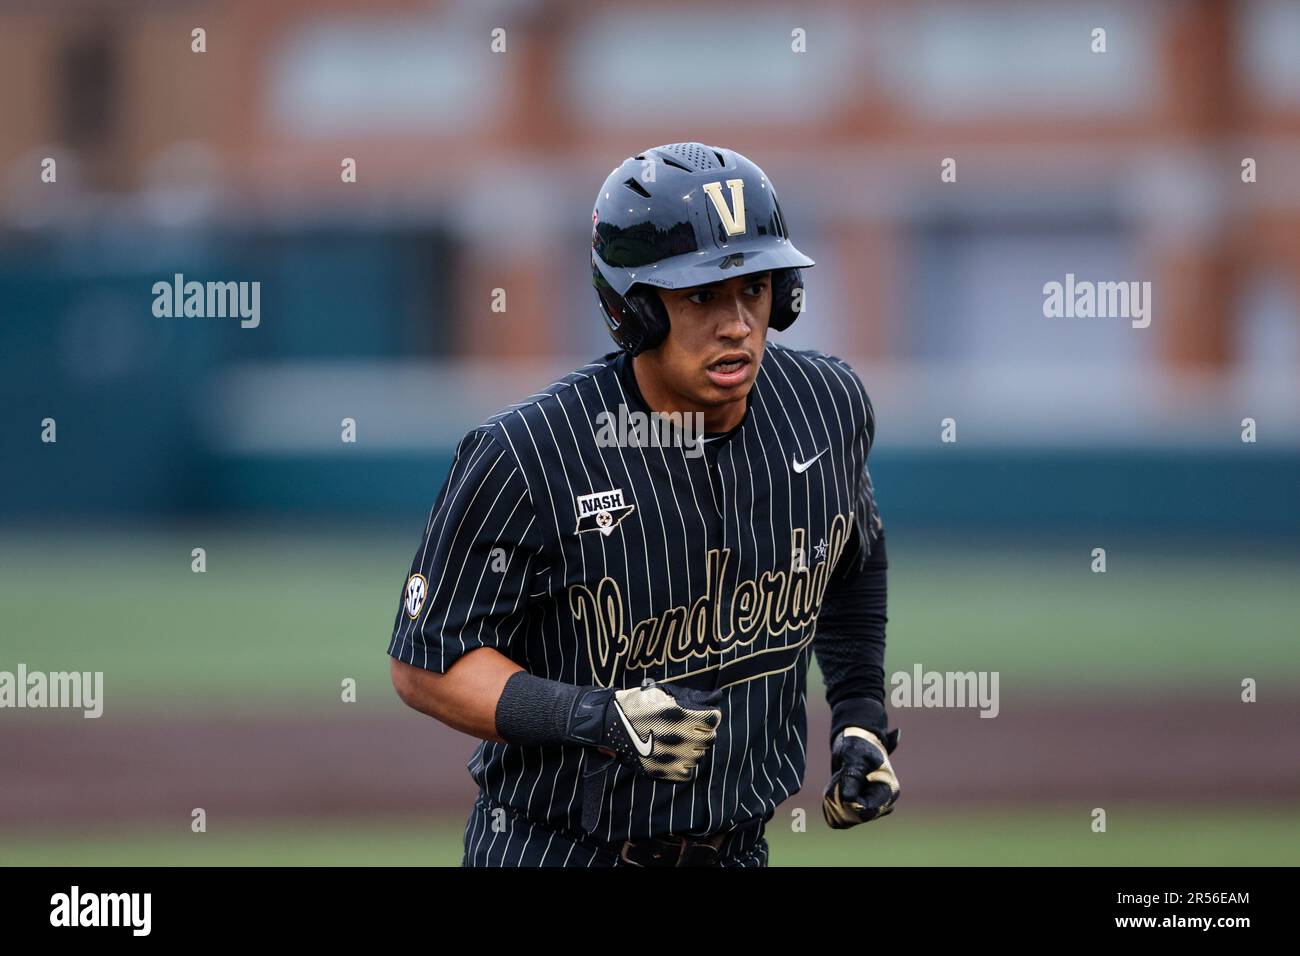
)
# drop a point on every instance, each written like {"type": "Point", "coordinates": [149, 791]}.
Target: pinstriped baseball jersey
{"type": "Point", "coordinates": [596, 563]}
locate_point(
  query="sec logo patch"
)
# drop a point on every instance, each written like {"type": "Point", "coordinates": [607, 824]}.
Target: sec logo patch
{"type": "Point", "coordinates": [417, 588]}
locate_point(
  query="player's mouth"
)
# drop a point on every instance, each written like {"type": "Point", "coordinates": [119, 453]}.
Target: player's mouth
{"type": "Point", "coordinates": [730, 370]}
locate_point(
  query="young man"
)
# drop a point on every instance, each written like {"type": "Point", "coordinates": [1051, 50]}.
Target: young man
{"type": "Point", "coordinates": [623, 577]}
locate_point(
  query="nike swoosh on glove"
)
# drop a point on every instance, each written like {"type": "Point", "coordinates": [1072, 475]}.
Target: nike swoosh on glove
{"type": "Point", "coordinates": [658, 730]}
{"type": "Point", "coordinates": [863, 786]}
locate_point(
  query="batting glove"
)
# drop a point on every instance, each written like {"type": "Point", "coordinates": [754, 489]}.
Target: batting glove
{"type": "Point", "coordinates": [863, 786]}
{"type": "Point", "coordinates": [658, 730]}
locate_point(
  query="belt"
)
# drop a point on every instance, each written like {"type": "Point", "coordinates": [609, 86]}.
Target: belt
{"type": "Point", "coordinates": [682, 849]}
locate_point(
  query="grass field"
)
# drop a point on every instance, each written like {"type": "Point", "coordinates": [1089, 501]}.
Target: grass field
{"type": "Point", "coordinates": [286, 615]}
{"type": "Point", "coordinates": [1148, 837]}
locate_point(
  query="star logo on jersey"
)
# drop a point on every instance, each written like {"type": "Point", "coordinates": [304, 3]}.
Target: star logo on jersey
{"type": "Point", "coordinates": [417, 589]}
{"type": "Point", "coordinates": [601, 511]}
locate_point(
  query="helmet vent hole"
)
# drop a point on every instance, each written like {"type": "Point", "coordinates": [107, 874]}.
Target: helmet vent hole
{"type": "Point", "coordinates": [636, 187]}
{"type": "Point", "coordinates": [692, 157]}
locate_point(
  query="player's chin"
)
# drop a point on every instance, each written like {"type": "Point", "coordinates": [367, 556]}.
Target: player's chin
{"type": "Point", "coordinates": [711, 395]}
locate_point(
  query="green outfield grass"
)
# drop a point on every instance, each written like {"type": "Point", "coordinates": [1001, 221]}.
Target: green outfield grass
{"type": "Point", "coordinates": [283, 615]}
{"type": "Point", "coordinates": [1136, 838]}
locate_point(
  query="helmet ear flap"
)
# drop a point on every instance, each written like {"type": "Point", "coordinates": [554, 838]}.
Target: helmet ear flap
{"type": "Point", "coordinates": [787, 298]}
{"type": "Point", "coordinates": [637, 321]}
{"type": "Point", "coordinates": [651, 316]}
{"type": "Point", "coordinates": [619, 319]}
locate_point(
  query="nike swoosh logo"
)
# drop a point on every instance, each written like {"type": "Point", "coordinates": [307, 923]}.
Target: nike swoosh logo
{"type": "Point", "coordinates": [801, 466]}
{"type": "Point", "coordinates": [643, 747]}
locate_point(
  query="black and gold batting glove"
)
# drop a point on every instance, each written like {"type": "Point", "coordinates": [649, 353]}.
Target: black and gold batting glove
{"type": "Point", "coordinates": [659, 730]}
{"type": "Point", "coordinates": [863, 786]}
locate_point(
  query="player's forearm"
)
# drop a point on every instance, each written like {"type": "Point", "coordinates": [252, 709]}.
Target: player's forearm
{"type": "Point", "coordinates": [465, 698]}
{"type": "Point", "coordinates": [850, 643]}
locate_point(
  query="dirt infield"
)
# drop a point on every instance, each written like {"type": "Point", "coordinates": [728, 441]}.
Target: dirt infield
{"type": "Point", "coordinates": [59, 769]}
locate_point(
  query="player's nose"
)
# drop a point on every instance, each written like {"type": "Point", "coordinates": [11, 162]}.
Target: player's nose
{"type": "Point", "coordinates": [737, 318]}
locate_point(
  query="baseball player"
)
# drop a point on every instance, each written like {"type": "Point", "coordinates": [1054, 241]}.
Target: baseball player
{"type": "Point", "coordinates": [624, 575]}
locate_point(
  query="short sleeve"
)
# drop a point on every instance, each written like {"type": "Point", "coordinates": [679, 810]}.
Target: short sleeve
{"type": "Point", "coordinates": [469, 581]}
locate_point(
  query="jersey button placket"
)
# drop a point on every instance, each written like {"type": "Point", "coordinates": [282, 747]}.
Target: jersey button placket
{"type": "Point", "coordinates": [729, 505]}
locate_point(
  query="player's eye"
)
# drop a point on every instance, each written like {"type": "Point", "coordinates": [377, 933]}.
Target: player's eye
{"type": "Point", "coordinates": [756, 288]}
{"type": "Point", "coordinates": [700, 298]}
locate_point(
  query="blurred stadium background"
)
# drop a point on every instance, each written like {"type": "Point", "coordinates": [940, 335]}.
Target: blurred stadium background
{"type": "Point", "coordinates": [476, 171]}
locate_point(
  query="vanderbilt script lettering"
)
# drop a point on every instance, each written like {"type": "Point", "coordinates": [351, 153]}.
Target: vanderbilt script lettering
{"type": "Point", "coordinates": [776, 602]}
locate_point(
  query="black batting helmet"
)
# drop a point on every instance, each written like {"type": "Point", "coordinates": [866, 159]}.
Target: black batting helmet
{"type": "Point", "coordinates": [684, 215]}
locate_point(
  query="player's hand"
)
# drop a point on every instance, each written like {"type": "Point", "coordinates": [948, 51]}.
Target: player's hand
{"type": "Point", "coordinates": [863, 786]}
{"type": "Point", "coordinates": [659, 730]}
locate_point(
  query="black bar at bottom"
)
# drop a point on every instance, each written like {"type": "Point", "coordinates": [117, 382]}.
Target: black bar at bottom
{"type": "Point", "coordinates": [213, 905]}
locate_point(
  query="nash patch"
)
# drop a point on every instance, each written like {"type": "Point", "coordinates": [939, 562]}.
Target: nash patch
{"type": "Point", "coordinates": [601, 511]}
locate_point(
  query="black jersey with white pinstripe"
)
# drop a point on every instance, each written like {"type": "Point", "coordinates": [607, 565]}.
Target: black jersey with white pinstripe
{"type": "Point", "coordinates": [603, 564]}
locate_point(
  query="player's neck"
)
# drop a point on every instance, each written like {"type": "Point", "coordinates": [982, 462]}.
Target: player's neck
{"type": "Point", "coordinates": [664, 400]}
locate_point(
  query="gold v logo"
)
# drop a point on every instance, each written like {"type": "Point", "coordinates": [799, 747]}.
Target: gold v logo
{"type": "Point", "coordinates": [735, 225]}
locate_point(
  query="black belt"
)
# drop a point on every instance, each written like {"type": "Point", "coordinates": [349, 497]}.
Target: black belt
{"type": "Point", "coordinates": [683, 849]}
